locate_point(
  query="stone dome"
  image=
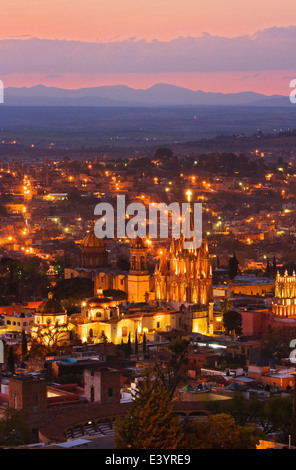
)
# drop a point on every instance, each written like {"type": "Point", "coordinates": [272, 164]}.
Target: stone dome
{"type": "Point", "coordinates": [93, 251]}
{"type": "Point", "coordinates": [91, 241]}
{"type": "Point", "coordinates": [99, 301]}
{"type": "Point", "coordinates": [50, 306]}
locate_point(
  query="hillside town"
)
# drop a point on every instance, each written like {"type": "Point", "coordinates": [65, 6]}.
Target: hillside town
{"type": "Point", "coordinates": [82, 317]}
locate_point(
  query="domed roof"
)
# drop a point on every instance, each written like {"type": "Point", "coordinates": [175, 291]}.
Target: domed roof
{"type": "Point", "coordinates": [100, 299]}
{"type": "Point", "coordinates": [91, 241]}
{"type": "Point", "coordinates": [50, 306]}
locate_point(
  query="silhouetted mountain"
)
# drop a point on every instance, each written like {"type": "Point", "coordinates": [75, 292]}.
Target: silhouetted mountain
{"type": "Point", "coordinates": [120, 95]}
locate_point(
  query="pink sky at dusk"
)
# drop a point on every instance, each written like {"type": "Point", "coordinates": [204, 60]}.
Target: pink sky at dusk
{"type": "Point", "coordinates": [106, 20]}
{"type": "Point", "coordinates": [119, 20]}
{"type": "Point", "coordinates": [271, 82]}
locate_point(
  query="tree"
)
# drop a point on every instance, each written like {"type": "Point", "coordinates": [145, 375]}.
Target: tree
{"type": "Point", "coordinates": [75, 288]}
{"type": "Point", "coordinates": [24, 345]}
{"type": "Point", "coordinates": [14, 428]}
{"type": "Point", "coordinates": [163, 152]}
{"type": "Point", "coordinates": [144, 343]}
{"type": "Point", "coordinates": [220, 431]}
{"type": "Point", "coordinates": [276, 342]}
{"type": "Point", "coordinates": [128, 350]}
{"type": "Point", "coordinates": [37, 349]}
{"type": "Point", "coordinates": [225, 305]}
{"type": "Point", "coordinates": [103, 338]}
{"type": "Point", "coordinates": [232, 322]}
{"type": "Point", "coordinates": [48, 340]}
{"type": "Point", "coordinates": [53, 335]}
{"type": "Point", "coordinates": [271, 416]}
{"type": "Point", "coordinates": [170, 371]}
{"type": "Point", "coordinates": [136, 343]}
{"type": "Point", "coordinates": [150, 423]}
{"type": "Point", "coordinates": [293, 424]}
{"type": "Point", "coordinates": [10, 361]}
{"type": "Point", "coordinates": [116, 294]}
{"type": "Point", "coordinates": [233, 266]}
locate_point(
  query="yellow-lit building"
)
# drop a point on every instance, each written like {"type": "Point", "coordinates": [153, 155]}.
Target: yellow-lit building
{"type": "Point", "coordinates": [284, 301]}
{"type": "Point", "coordinates": [101, 317]}
{"type": "Point", "coordinates": [138, 278]}
{"type": "Point", "coordinates": [51, 322]}
{"type": "Point", "coordinates": [184, 277]}
{"type": "Point", "coordinates": [18, 208]}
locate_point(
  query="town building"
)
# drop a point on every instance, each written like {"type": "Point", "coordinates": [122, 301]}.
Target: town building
{"type": "Point", "coordinates": [51, 322]}
{"type": "Point", "coordinates": [184, 277]}
{"type": "Point", "coordinates": [284, 302]}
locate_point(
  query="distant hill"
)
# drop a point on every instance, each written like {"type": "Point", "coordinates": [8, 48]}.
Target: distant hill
{"type": "Point", "coordinates": [123, 96]}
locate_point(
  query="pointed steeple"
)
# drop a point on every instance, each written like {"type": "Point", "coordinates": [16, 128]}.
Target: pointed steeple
{"type": "Point", "coordinates": [205, 245]}
{"type": "Point", "coordinates": [172, 247]}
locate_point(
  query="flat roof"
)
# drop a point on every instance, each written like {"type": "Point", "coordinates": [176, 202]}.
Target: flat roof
{"type": "Point", "coordinates": [73, 443]}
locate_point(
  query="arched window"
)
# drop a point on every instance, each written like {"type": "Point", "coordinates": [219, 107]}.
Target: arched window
{"type": "Point", "coordinates": [124, 331]}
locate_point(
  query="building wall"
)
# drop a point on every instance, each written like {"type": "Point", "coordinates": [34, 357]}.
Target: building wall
{"type": "Point", "coordinates": [104, 281]}
{"type": "Point", "coordinates": [251, 289]}
{"type": "Point", "coordinates": [102, 386]}
{"type": "Point", "coordinates": [17, 323]}
{"type": "Point", "coordinates": [200, 325]}
{"type": "Point", "coordinates": [28, 394]}
{"type": "Point", "coordinates": [119, 330]}
{"type": "Point", "coordinates": [138, 287]}
{"type": "Point", "coordinates": [255, 323]}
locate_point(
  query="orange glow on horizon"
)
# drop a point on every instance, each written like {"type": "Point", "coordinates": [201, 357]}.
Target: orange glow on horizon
{"type": "Point", "coordinates": [90, 20]}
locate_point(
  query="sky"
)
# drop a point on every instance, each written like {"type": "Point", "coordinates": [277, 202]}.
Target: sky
{"type": "Point", "coordinates": [218, 46]}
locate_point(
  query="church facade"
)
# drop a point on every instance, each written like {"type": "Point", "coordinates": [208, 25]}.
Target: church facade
{"type": "Point", "coordinates": [184, 277]}
{"type": "Point", "coordinates": [284, 301]}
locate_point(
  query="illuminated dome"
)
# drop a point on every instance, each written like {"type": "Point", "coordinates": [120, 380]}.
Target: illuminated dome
{"type": "Point", "coordinates": [93, 253]}
{"type": "Point", "coordinates": [91, 241]}
{"type": "Point", "coordinates": [50, 313]}
{"type": "Point", "coordinates": [50, 306]}
{"type": "Point", "coordinates": [100, 300]}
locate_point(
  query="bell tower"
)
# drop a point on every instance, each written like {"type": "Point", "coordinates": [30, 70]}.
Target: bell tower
{"type": "Point", "coordinates": [138, 277]}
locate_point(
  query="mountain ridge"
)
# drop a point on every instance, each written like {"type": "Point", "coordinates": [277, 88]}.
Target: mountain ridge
{"type": "Point", "coordinates": [159, 94]}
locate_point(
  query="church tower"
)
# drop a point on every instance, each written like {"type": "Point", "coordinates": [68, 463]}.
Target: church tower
{"type": "Point", "coordinates": [138, 277]}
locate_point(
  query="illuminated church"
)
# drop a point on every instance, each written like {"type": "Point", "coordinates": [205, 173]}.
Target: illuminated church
{"type": "Point", "coordinates": [184, 277]}
{"type": "Point", "coordinates": [284, 301]}
{"type": "Point", "coordinates": [51, 323]}
{"type": "Point", "coordinates": [179, 292]}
